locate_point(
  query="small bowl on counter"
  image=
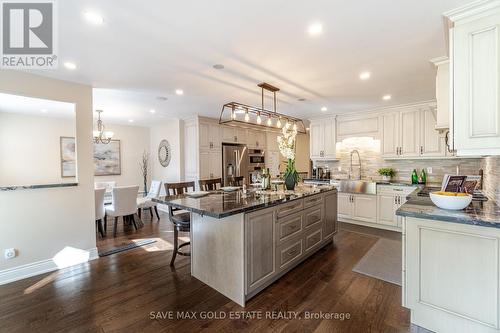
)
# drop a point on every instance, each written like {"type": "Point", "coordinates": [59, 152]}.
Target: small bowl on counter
{"type": "Point", "coordinates": [450, 200]}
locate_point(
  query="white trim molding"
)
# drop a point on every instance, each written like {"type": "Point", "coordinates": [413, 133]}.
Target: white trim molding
{"type": "Point", "coordinates": [36, 268]}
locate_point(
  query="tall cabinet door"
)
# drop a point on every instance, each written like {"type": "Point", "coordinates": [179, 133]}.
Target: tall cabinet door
{"type": "Point", "coordinates": [329, 139]}
{"type": "Point", "coordinates": [410, 133]}
{"type": "Point", "coordinates": [345, 205]}
{"type": "Point", "coordinates": [390, 135]}
{"type": "Point", "coordinates": [386, 206]}
{"type": "Point", "coordinates": [260, 243]}
{"type": "Point", "coordinates": [432, 144]}
{"type": "Point", "coordinates": [215, 136]}
{"type": "Point", "coordinates": [476, 78]}
{"type": "Point", "coordinates": [215, 159]}
{"type": "Point", "coordinates": [316, 139]}
{"type": "Point", "coordinates": [330, 217]}
{"type": "Point", "coordinates": [204, 135]}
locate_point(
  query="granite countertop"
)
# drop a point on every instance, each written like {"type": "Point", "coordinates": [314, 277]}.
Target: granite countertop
{"type": "Point", "coordinates": [221, 204]}
{"type": "Point", "coordinates": [480, 213]}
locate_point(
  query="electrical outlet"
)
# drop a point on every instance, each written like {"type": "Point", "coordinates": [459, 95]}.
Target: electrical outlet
{"type": "Point", "coordinates": [10, 253]}
{"type": "Point", "coordinates": [429, 170]}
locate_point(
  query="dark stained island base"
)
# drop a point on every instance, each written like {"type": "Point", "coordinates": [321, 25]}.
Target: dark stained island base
{"type": "Point", "coordinates": [243, 242]}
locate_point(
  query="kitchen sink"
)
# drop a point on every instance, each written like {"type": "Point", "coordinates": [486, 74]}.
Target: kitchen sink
{"type": "Point", "coordinates": [358, 186]}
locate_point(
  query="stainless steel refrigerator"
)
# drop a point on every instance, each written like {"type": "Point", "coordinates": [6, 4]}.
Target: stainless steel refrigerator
{"type": "Point", "coordinates": [234, 163]}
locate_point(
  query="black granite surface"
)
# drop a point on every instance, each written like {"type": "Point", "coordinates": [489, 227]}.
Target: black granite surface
{"type": "Point", "coordinates": [221, 204]}
{"type": "Point", "coordinates": [480, 213]}
{"type": "Point", "coordinates": [34, 187]}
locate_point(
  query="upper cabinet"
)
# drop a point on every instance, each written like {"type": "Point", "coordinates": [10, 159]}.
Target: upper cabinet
{"type": "Point", "coordinates": [256, 139]}
{"type": "Point", "coordinates": [475, 57]}
{"type": "Point", "coordinates": [322, 139]}
{"type": "Point", "coordinates": [411, 133]}
{"type": "Point", "coordinates": [210, 136]}
{"type": "Point", "coordinates": [443, 90]}
{"type": "Point", "coordinates": [234, 134]}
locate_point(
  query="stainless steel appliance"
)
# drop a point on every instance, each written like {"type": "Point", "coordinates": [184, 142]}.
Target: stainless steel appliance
{"type": "Point", "coordinates": [234, 162]}
{"type": "Point", "coordinates": [256, 158]}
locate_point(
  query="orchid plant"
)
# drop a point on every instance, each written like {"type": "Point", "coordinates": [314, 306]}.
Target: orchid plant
{"type": "Point", "coordinates": [286, 144]}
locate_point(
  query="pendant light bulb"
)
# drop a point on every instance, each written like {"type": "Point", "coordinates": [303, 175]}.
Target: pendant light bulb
{"type": "Point", "coordinates": [259, 119]}
{"type": "Point", "coordinates": [233, 114]}
{"type": "Point", "coordinates": [294, 127]}
{"type": "Point", "coordinates": [278, 123]}
{"type": "Point", "coordinates": [269, 121]}
{"type": "Point", "coordinates": [247, 116]}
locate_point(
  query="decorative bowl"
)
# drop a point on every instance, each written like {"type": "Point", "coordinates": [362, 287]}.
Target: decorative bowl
{"type": "Point", "coordinates": [450, 200]}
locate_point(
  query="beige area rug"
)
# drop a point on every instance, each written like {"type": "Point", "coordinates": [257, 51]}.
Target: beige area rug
{"type": "Point", "coordinates": [382, 261]}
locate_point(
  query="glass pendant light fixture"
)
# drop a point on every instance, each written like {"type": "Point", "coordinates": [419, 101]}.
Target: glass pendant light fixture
{"type": "Point", "coordinates": [258, 116]}
{"type": "Point", "coordinates": [100, 134]}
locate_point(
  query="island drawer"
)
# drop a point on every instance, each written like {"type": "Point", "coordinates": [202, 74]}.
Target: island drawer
{"type": "Point", "coordinates": [289, 226]}
{"type": "Point", "coordinates": [313, 200]}
{"type": "Point", "coordinates": [290, 208]}
{"type": "Point", "coordinates": [313, 237]}
{"type": "Point", "coordinates": [313, 215]}
{"type": "Point", "coordinates": [290, 252]}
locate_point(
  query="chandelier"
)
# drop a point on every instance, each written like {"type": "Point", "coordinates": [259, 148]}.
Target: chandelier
{"type": "Point", "coordinates": [258, 116]}
{"type": "Point", "coordinates": [100, 134]}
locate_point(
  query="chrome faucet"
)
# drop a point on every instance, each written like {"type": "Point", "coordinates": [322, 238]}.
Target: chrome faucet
{"type": "Point", "coordinates": [358, 165]}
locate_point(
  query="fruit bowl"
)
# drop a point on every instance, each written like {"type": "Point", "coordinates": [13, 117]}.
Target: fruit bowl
{"type": "Point", "coordinates": [451, 200]}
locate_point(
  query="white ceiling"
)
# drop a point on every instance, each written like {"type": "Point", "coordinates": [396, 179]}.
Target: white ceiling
{"type": "Point", "coordinates": [36, 106]}
{"type": "Point", "coordinates": [149, 49]}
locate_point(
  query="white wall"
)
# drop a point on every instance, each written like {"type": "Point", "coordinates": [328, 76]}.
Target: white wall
{"type": "Point", "coordinates": [30, 148]}
{"type": "Point", "coordinates": [170, 130]}
{"type": "Point", "coordinates": [134, 140]}
{"type": "Point", "coordinates": [40, 223]}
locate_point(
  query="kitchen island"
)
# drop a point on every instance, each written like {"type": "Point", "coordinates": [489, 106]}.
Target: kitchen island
{"type": "Point", "coordinates": [243, 242]}
{"type": "Point", "coordinates": [451, 265]}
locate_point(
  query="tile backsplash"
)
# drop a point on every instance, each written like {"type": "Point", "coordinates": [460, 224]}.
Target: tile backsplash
{"type": "Point", "coordinates": [491, 167]}
{"type": "Point", "coordinates": [371, 161]}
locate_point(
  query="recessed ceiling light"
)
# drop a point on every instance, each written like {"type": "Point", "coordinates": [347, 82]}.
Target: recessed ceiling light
{"type": "Point", "coordinates": [218, 66]}
{"type": "Point", "coordinates": [324, 109]}
{"type": "Point", "coordinates": [152, 111]}
{"type": "Point", "coordinates": [70, 65]}
{"type": "Point", "coordinates": [93, 17]}
{"type": "Point", "coordinates": [386, 97]}
{"type": "Point", "coordinates": [301, 99]}
{"type": "Point", "coordinates": [315, 29]}
{"type": "Point", "coordinates": [179, 92]}
{"type": "Point", "coordinates": [364, 75]}
{"type": "Point", "coordinates": [43, 110]}
{"type": "Point", "coordinates": [161, 98]}
{"type": "Point", "coordinates": [131, 120]}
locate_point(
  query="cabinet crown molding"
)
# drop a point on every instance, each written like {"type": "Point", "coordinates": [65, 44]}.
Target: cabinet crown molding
{"type": "Point", "coordinates": [438, 61]}
{"type": "Point", "coordinates": [476, 8]}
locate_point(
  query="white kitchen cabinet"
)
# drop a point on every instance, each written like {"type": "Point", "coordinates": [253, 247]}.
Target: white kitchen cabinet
{"type": "Point", "coordinates": [386, 209]}
{"type": "Point", "coordinates": [365, 208]}
{"type": "Point", "coordinates": [443, 92]}
{"type": "Point", "coordinates": [475, 61]}
{"type": "Point", "coordinates": [358, 207]}
{"type": "Point", "coordinates": [210, 164]}
{"type": "Point", "coordinates": [390, 135]}
{"type": "Point", "coordinates": [322, 139]}
{"type": "Point", "coordinates": [234, 134]}
{"type": "Point", "coordinates": [256, 139]}
{"type": "Point", "coordinates": [210, 136]}
{"type": "Point", "coordinates": [411, 133]}
{"type": "Point", "coordinates": [345, 207]}
{"type": "Point", "coordinates": [431, 142]}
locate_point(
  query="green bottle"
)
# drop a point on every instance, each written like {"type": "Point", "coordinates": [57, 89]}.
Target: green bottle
{"type": "Point", "coordinates": [414, 177]}
{"type": "Point", "coordinates": [423, 176]}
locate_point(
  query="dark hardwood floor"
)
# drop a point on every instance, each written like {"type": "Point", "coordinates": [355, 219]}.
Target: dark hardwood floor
{"type": "Point", "coordinates": [121, 292]}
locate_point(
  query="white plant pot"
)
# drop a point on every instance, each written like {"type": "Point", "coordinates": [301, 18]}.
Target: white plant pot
{"type": "Point", "coordinates": [386, 178]}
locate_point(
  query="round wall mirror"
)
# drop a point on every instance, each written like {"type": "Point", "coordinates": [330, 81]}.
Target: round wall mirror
{"type": "Point", "coordinates": [164, 153]}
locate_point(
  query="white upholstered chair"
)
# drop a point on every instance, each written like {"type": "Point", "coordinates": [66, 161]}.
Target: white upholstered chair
{"type": "Point", "coordinates": [147, 202]}
{"type": "Point", "coordinates": [124, 204]}
{"type": "Point", "coordinates": [106, 185]}
{"type": "Point", "coordinates": [99, 208]}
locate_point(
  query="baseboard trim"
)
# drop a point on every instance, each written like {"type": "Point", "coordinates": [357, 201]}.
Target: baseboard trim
{"type": "Point", "coordinates": [36, 268]}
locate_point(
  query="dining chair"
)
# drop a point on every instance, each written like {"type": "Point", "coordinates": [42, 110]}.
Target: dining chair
{"type": "Point", "coordinates": [124, 205]}
{"type": "Point", "coordinates": [99, 208]}
{"type": "Point", "coordinates": [210, 184]}
{"type": "Point", "coordinates": [147, 202]}
{"type": "Point", "coordinates": [236, 181]}
{"type": "Point", "coordinates": [181, 220]}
